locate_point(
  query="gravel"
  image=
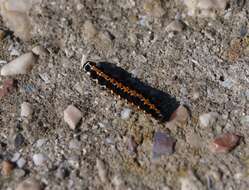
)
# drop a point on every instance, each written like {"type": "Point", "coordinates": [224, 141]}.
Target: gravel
{"type": "Point", "coordinates": [104, 142]}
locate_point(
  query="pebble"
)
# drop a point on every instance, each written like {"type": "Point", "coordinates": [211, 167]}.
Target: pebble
{"type": "Point", "coordinates": [26, 109]}
{"type": "Point", "coordinates": [20, 65]}
{"type": "Point", "coordinates": [29, 184]}
{"type": "Point", "coordinates": [118, 183]}
{"type": "Point", "coordinates": [39, 159]}
{"type": "Point", "coordinates": [131, 145]}
{"type": "Point", "coordinates": [212, 4]}
{"type": "Point", "coordinates": [2, 34]}
{"type": "Point", "coordinates": [188, 184]}
{"type": "Point", "coordinates": [244, 120]}
{"type": "Point", "coordinates": [74, 144]}
{"type": "Point", "coordinates": [79, 88]}
{"type": "Point", "coordinates": [224, 143]}
{"type": "Point", "coordinates": [18, 173]}
{"type": "Point", "coordinates": [39, 50]}
{"type": "Point", "coordinates": [163, 144]}
{"type": "Point", "coordinates": [15, 157]}
{"type": "Point", "coordinates": [104, 40]}
{"type": "Point", "coordinates": [89, 31]}
{"type": "Point", "coordinates": [72, 116]}
{"type": "Point", "coordinates": [7, 168]}
{"type": "Point", "coordinates": [19, 140]}
{"type": "Point", "coordinates": [206, 8]}
{"type": "Point", "coordinates": [228, 83]}
{"type": "Point", "coordinates": [21, 163]}
{"type": "Point", "coordinates": [179, 117]}
{"type": "Point", "coordinates": [208, 119]}
{"type": "Point", "coordinates": [7, 87]}
{"type": "Point", "coordinates": [45, 77]}
{"type": "Point", "coordinates": [154, 8]}
{"type": "Point", "coordinates": [175, 26]}
{"type": "Point", "coordinates": [40, 142]}
{"type": "Point", "coordinates": [125, 113]}
{"type": "Point", "coordinates": [15, 15]}
{"type": "Point", "coordinates": [62, 173]}
{"type": "Point", "coordinates": [101, 170]}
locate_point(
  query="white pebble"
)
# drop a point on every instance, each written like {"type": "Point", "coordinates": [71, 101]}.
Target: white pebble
{"type": "Point", "coordinates": [26, 109]}
{"type": "Point", "coordinates": [45, 77]}
{"type": "Point", "coordinates": [74, 145]}
{"type": "Point", "coordinates": [29, 184]}
{"type": "Point", "coordinates": [244, 120]}
{"type": "Point", "coordinates": [39, 159]}
{"type": "Point", "coordinates": [15, 157]}
{"type": "Point", "coordinates": [15, 15]}
{"type": "Point", "coordinates": [72, 116]}
{"type": "Point", "coordinates": [175, 26]}
{"type": "Point", "coordinates": [188, 184]}
{"type": "Point", "coordinates": [39, 50]}
{"type": "Point", "coordinates": [101, 170]}
{"type": "Point", "coordinates": [20, 65]}
{"type": "Point", "coordinates": [21, 162]}
{"type": "Point", "coordinates": [40, 142]}
{"type": "Point", "coordinates": [125, 113]}
{"type": "Point", "coordinates": [208, 119]}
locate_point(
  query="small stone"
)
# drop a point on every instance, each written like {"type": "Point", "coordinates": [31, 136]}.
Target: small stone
{"type": "Point", "coordinates": [228, 83]}
{"type": "Point", "coordinates": [101, 170]}
{"type": "Point", "coordinates": [15, 157]}
{"type": "Point", "coordinates": [179, 117]}
{"type": "Point", "coordinates": [205, 8]}
{"type": "Point", "coordinates": [224, 143]}
{"type": "Point", "coordinates": [26, 109]}
{"type": "Point", "coordinates": [125, 113]}
{"type": "Point", "coordinates": [2, 34]}
{"type": "Point", "coordinates": [45, 77]}
{"type": "Point", "coordinates": [118, 183]}
{"type": "Point", "coordinates": [154, 8]}
{"type": "Point", "coordinates": [89, 31]}
{"type": "Point", "coordinates": [29, 184]}
{"type": "Point", "coordinates": [188, 184]}
{"type": "Point", "coordinates": [212, 4]}
{"type": "Point", "coordinates": [247, 91]}
{"type": "Point", "coordinates": [72, 116]}
{"type": "Point", "coordinates": [20, 65]}
{"type": "Point", "coordinates": [74, 145]}
{"type": "Point", "coordinates": [40, 142]}
{"type": "Point", "coordinates": [15, 15]}
{"type": "Point", "coordinates": [21, 163]}
{"type": "Point", "coordinates": [62, 173]}
{"type": "Point", "coordinates": [7, 87]}
{"type": "Point", "coordinates": [104, 41]}
{"type": "Point", "coordinates": [19, 140]}
{"type": "Point", "coordinates": [163, 144]}
{"type": "Point", "coordinates": [18, 173]}
{"type": "Point", "coordinates": [208, 119]}
{"type": "Point", "coordinates": [78, 87]}
{"type": "Point", "coordinates": [131, 145]}
{"type": "Point", "coordinates": [39, 50]}
{"type": "Point", "coordinates": [7, 168]}
{"type": "Point", "coordinates": [39, 159]}
{"type": "Point", "coordinates": [244, 120]}
{"type": "Point", "coordinates": [175, 26]}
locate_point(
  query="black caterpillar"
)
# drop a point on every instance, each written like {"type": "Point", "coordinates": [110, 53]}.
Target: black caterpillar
{"type": "Point", "coordinates": [157, 103]}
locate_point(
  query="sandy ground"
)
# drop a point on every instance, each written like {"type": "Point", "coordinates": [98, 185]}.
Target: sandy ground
{"type": "Point", "coordinates": [199, 66]}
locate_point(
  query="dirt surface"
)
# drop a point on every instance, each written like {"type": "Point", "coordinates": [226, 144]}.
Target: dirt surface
{"type": "Point", "coordinates": [205, 66]}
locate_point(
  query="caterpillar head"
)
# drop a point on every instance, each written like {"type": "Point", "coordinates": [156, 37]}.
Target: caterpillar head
{"type": "Point", "coordinates": [88, 66]}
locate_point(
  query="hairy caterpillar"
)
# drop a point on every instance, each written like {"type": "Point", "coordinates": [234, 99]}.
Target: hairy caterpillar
{"type": "Point", "coordinates": [124, 85]}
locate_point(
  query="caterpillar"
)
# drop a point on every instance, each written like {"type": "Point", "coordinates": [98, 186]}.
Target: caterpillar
{"type": "Point", "coordinates": [125, 86]}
